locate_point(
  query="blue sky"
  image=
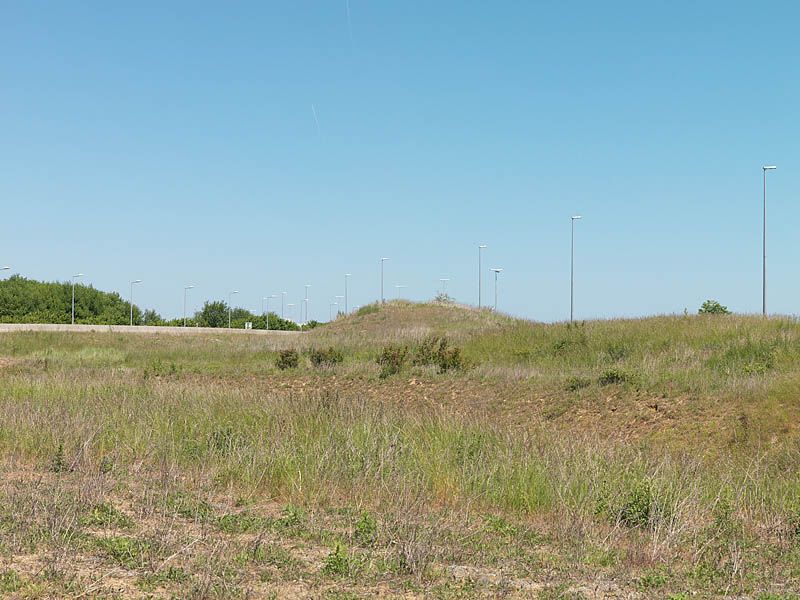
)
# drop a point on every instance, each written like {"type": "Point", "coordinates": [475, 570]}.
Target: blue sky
{"type": "Point", "coordinates": [176, 143]}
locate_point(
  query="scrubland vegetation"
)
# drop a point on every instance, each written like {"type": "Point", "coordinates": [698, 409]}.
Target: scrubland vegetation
{"type": "Point", "coordinates": [418, 451]}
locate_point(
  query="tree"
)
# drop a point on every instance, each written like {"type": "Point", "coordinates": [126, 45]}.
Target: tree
{"type": "Point", "coordinates": [213, 314]}
{"type": "Point", "coordinates": [712, 307]}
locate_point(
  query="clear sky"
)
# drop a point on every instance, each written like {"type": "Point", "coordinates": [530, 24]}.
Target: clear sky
{"type": "Point", "coordinates": [262, 146]}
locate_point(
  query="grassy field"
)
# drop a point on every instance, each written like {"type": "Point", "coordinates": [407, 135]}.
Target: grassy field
{"type": "Point", "coordinates": [652, 458]}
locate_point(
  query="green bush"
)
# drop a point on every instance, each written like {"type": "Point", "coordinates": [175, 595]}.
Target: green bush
{"type": "Point", "coordinates": [391, 360]}
{"type": "Point", "coordinates": [712, 307]}
{"type": "Point", "coordinates": [577, 383]}
{"type": "Point", "coordinates": [287, 359]}
{"type": "Point", "coordinates": [615, 377]}
{"type": "Point", "coordinates": [329, 357]}
{"type": "Point", "coordinates": [436, 351]}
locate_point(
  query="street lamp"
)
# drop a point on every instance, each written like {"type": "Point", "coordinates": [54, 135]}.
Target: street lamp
{"type": "Point", "coordinates": [290, 306]}
{"type": "Point", "coordinates": [330, 310]}
{"type": "Point", "coordinates": [399, 287]}
{"type": "Point", "coordinates": [572, 267]}
{"type": "Point", "coordinates": [185, 289]}
{"type": "Point", "coordinates": [383, 260]}
{"type": "Point", "coordinates": [305, 302]}
{"type": "Point", "coordinates": [74, 277]}
{"type": "Point", "coordinates": [338, 303]}
{"type": "Point", "coordinates": [480, 272]}
{"type": "Point", "coordinates": [444, 281]}
{"type": "Point", "coordinates": [764, 255]}
{"type": "Point", "coordinates": [346, 275]}
{"type": "Point", "coordinates": [496, 273]}
{"type": "Point", "coordinates": [283, 298]}
{"type": "Point", "coordinates": [230, 309]}
{"type": "Point", "coordinates": [266, 316]}
{"type": "Point", "coordinates": [132, 284]}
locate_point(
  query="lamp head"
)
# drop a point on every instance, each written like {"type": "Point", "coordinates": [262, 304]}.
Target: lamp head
{"type": "Point", "coordinates": [769, 168]}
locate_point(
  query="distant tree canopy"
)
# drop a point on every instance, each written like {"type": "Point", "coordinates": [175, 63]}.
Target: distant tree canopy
{"type": "Point", "coordinates": [712, 307]}
{"type": "Point", "coordinates": [29, 301]}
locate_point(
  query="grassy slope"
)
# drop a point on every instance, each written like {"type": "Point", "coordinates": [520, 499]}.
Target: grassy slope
{"type": "Point", "coordinates": [656, 456]}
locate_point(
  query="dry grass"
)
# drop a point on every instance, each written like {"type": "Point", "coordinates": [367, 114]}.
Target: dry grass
{"type": "Point", "coordinates": [648, 458]}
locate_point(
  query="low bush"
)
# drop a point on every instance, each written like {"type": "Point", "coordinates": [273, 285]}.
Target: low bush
{"type": "Point", "coordinates": [437, 351]}
{"type": "Point", "coordinates": [615, 377]}
{"type": "Point", "coordinates": [391, 360]}
{"type": "Point", "coordinates": [287, 359]}
{"type": "Point", "coordinates": [326, 357]}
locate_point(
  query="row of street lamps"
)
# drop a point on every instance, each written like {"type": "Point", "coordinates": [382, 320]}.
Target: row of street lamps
{"type": "Point", "coordinates": [443, 280]}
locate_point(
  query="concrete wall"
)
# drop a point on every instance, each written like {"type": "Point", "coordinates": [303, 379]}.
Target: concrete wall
{"type": "Point", "coordinates": [9, 327]}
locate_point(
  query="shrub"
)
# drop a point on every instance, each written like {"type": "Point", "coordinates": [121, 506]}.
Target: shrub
{"type": "Point", "coordinates": [392, 359]}
{"type": "Point", "coordinates": [337, 562]}
{"type": "Point", "coordinates": [368, 309]}
{"type": "Point", "coordinates": [326, 357]}
{"type": "Point", "coordinates": [712, 307]}
{"type": "Point", "coordinates": [287, 359]}
{"type": "Point", "coordinates": [436, 351]}
{"type": "Point", "coordinates": [615, 377]}
{"type": "Point", "coordinates": [577, 383]}
{"type": "Point", "coordinates": [366, 530]}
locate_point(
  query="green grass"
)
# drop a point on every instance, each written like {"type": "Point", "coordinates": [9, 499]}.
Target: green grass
{"type": "Point", "coordinates": [666, 448]}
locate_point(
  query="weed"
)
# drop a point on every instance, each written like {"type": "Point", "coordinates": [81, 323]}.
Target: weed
{"type": "Point", "coordinates": [366, 530]}
{"type": "Point", "coordinates": [337, 562]}
{"type": "Point", "coordinates": [130, 553]}
{"type": "Point", "coordinates": [287, 359]}
{"type": "Point", "coordinates": [499, 525]}
{"type": "Point", "coordinates": [615, 377]}
{"type": "Point", "coordinates": [577, 383]}
{"type": "Point", "coordinates": [59, 463]}
{"type": "Point", "coordinates": [329, 357]}
{"type": "Point", "coordinates": [10, 581]}
{"type": "Point", "coordinates": [391, 360]}
{"type": "Point", "coordinates": [242, 523]}
{"type": "Point", "coordinates": [105, 515]}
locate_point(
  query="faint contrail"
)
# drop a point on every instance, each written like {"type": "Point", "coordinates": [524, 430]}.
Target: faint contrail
{"type": "Point", "coordinates": [349, 22]}
{"type": "Point", "coordinates": [314, 112]}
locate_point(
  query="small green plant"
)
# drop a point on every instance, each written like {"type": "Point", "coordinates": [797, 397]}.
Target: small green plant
{"type": "Point", "coordinates": [59, 462]}
{"type": "Point", "coordinates": [500, 525]}
{"type": "Point", "coordinates": [242, 523]}
{"type": "Point", "coordinates": [712, 307]}
{"type": "Point", "coordinates": [366, 530]}
{"type": "Point", "coordinates": [653, 579]}
{"type": "Point", "coordinates": [106, 515]}
{"type": "Point", "coordinates": [189, 507]}
{"type": "Point", "coordinates": [293, 516]}
{"type": "Point", "coordinates": [391, 360]}
{"type": "Point", "coordinates": [128, 552]}
{"type": "Point", "coordinates": [287, 359]}
{"type": "Point", "coordinates": [577, 383]}
{"type": "Point", "coordinates": [337, 562]}
{"type": "Point", "coordinates": [615, 377]}
{"type": "Point", "coordinates": [637, 508]}
{"type": "Point", "coordinates": [329, 357]}
{"type": "Point", "coordinates": [10, 581]}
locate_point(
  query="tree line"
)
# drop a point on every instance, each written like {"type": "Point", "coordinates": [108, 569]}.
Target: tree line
{"type": "Point", "coordinates": [25, 300]}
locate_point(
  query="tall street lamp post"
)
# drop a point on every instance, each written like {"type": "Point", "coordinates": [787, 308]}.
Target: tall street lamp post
{"type": "Point", "coordinates": [764, 250]}
{"type": "Point", "coordinates": [134, 282]}
{"type": "Point", "coordinates": [74, 277]}
{"type": "Point", "coordinates": [572, 268]}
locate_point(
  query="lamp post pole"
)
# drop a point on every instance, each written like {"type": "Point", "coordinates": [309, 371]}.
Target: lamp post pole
{"type": "Point", "coordinates": [496, 273]}
{"type": "Point", "coordinates": [346, 277]}
{"type": "Point", "coordinates": [185, 289]}
{"type": "Point", "coordinates": [132, 284]}
{"type": "Point", "coordinates": [383, 260]}
{"type": "Point", "coordinates": [480, 273]}
{"type": "Point", "coordinates": [572, 268]}
{"type": "Point", "coordinates": [74, 277]}
{"type": "Point", "coordinates": [266, 316]}
{"type": "Point", "coordinates": [764, 249]}
{"type": "Point", "coordinates": [283, 298]}
{"type": "Point", "coordinates": [230, 308]}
